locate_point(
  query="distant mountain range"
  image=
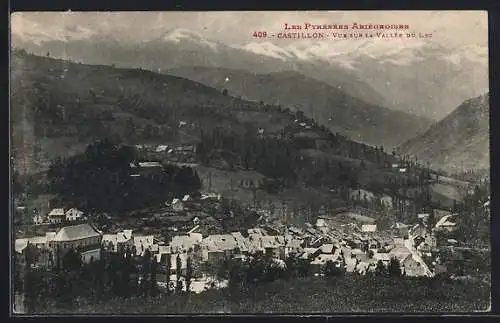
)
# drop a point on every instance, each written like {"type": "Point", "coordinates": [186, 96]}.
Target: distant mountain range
{"type": "Point", "coordinates": [458, 142]}
{"type": "Point", "coordinates": [328, 105]}
{"type": "Point", "coordinates": [414, 76]}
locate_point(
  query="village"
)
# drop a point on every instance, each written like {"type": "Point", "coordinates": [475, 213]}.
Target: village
{"type": "Point", "coordinates": [345, 238]}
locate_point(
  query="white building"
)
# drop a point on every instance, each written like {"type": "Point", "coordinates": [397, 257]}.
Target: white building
{"type": "Point", "coordinates": [81, 237]}
{"type": "Point", "coordinates": [38, 219]}
{"type": "Point", "coordinates": [74, 214]}
{"type": "Point", "coordinates": [177, 205]}
{"type": "Point", "coordinates": [56, 216]}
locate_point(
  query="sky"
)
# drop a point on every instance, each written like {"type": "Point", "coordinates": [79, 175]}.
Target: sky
{"type": "Point", "coordinates": [449, 28]}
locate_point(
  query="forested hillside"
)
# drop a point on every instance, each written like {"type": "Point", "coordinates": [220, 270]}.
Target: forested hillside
{"type": "Point", "coordinates": [460, 142]}
{"type": "Point", "coordinates": [57, 104]}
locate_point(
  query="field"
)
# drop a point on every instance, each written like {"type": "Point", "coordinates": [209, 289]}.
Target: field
{"type": "Point", "coordinates": [314, 295]}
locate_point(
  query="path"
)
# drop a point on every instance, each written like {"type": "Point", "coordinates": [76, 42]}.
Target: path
{"type": "Point", "coordinates": [408, 244]}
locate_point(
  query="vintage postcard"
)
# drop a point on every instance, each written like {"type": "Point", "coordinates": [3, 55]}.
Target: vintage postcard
{"type": "Point", "coordinates": [249, 162]}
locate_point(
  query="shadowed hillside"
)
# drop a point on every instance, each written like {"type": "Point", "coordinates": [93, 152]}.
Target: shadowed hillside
{"type": "Point", "coordinates": [458, 142]}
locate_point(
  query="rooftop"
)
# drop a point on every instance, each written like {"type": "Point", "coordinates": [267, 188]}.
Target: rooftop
{"type": "Point", "coordinates": [56, 212]}
{"type": "Point", "coordinates": [76, 232]}
{"type": "Point", "coordinates": [149, 164]}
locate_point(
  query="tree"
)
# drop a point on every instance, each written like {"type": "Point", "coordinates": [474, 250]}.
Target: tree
{"type": "Point", "coordinates": [225, 92]}
{"type": "Point", "coordinates": [333, 269]}
{"type": "Point", "coordinates": [431, 221]}
{"type": "Point", "coordinates": [154, 268]}
{"type": "Point", "coordinates": [380, 269]}
{"type": "Point", "coordinates": [72, 261]}
{"type": "Point", "coordinates": [178, 272]}
{"type": "Point", "coordinates": [394, 268]}
{"type": "Point", "coordinates": [189, 273]}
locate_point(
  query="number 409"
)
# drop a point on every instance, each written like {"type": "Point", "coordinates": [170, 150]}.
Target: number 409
{"type": "Point", "coordinates": [260, 34]}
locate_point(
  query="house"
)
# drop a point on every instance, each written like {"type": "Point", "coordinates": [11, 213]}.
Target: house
{"type": "Point", "coordinates": [398, 241]}
{"type": "Point", "coordinates": [161, 148]}
{"type": "Point", "coordinates": [373, 244]}
{"type": "Point", "coordinates": [196, 221]}
{"type": "Point", "coordinates": [445, 224]}
{"type": "Point", "coordinates": [150, 169]}
{"type": "Point", "coordinates": [411, 267]}
{"type": "Point", "coordinates": [321, 223]}
{"type": "Point", "coordinates": [319, 262]}
{"type": "Point", "coordinates": [309, 253]}
{"type": "Point", "coordinates": [401, 230]}
{"type": "Point", "coordinates": [211, 196]}
{"type": "Point", "coordinates": [292, 246]}
{"type": "Point", "coordinates": [418, 230]}
{"type": "Point", "coordinates": [423, 216]}
{"type": "Point", "coordinates": [424, 249]}
{"type": "Point", "coordinates": [359, 254]}
{"type": "Point", "coordinates": [186, 198]}
{"type": "Point", "coordinates": [74, 214]}
{"type": "Point", "coordinates": [164, 252]}
{"type": "Point", "coordinates": [82, 237]}
{"type": "Point", "coordinates": [186, 149]}
{"type": "Point", "coordinates": [357, 217]}
{"type": "Point", "coordinates": [38, 219]}
{"type": "Point", "coordinates": [382, 256]}
{"type": "Point", "coordinates": [369, 228]}
{"type": "Point", "coordinates": [186, 242]}
{"type": "Point", "coordinates": [177, 205]}
{"type": "Point", "coordinates": [365, 265]}
{"type": "Point", "coordinates": [274, 246]}
{"type": "Point", "coordinates": [118, 242]}
{"type": "Point", "coordinates": [142, 243]}
{"type": "Point", "coordinates": [180, 258]}
{"type": "Point", "coordinates": [36, 255]}
{"type": "Point", "coordinates": [242, 244]}
{"type": "Point", "coordinates": [56, 216]}
{"type": "Point", "coordinates": [218, 247]}
{"type": "Point", "coordinates": [400, 253]}
{"type": "Point", "coordinates": [327, 248]}
{"type": "Point", "coordinates": [386, 201]}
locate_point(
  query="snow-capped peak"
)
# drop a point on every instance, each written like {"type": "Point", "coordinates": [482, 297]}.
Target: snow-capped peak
{"type": "Point", "coordinates": [180, 34]}
{"type": "Point", "coordinates": [267, 49]}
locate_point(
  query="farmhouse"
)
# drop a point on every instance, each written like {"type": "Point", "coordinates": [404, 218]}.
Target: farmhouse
{"type": "Point", "coordinates": [56, 216]}
{"type": "Point", "coordinates": [74, 214]}
{"type": "Point", "coordinates": [445, 224]}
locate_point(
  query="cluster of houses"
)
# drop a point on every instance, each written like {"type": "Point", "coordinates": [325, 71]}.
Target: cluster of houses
{"type": "Point", "coordinates": [59, 216]}
{"type": "Point", "coordinates": [359, 247]}
{"type": "Point", "coordinates": [359, 251]}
